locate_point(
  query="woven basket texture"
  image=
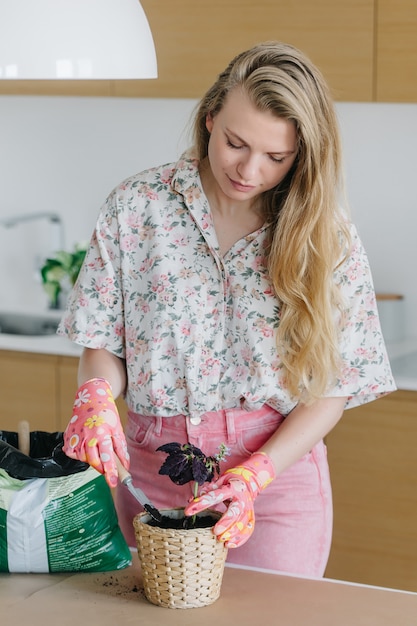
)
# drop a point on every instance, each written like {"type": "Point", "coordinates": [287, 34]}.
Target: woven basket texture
{"type": "Point", "coordinates": [180, 568]}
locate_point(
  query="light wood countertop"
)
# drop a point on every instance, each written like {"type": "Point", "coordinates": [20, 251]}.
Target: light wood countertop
{"type": "Point", "coordinates": [248, 597]}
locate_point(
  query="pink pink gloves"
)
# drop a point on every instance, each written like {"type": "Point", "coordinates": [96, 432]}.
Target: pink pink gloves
{"type": "Point", "coordinates": [94, 433]}
{"type": "Point", "coordinates": [239, 487]}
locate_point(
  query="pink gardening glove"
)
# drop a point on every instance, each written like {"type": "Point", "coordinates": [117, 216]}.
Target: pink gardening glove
{"type": "Point", "coordinates": [238, 487]}
{"type": "Point", "coordinates": [94, 433]}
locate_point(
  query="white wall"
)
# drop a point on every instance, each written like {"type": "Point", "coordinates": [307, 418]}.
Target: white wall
{"type": "Point", "coordinates": [64, 155]}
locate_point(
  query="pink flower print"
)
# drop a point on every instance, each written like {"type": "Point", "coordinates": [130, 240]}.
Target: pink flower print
{"type": "Point", "coordinates": [166, 175]}
{"type": "Point", "coordinates": [181, 383]}
{"type": "Point", "coordinates": [191, 194]}
{"type": "Point", "coordinates": [239, 373]}
{"type": "Point", "coordinates": [255, 294]}
{"type": "Point", "coordinates": [90, 330]}
{"type": "Point", "coordinates": [367, 354]}
{"type": "Point", "coordinates": [350, 375]}
{"type": "Point", "coordinates": [206, 221]}
{"type": "Point", "coordinates": [146, 265]}
{"type": "Point", "coordinates": [141, 346]}
{"type": "Point", "coordinates": [158, 336]}
{"type": "Point", "coordinates": [167, 224]}
{"type": "Point", "coordinates": [160, 283]}
{"type": "Point", "coordinates": [103, 285]}
{"type": "Point", "coordinates": [246, 354]}
{"type": "Point", "coordinates": [238, 291]}
{"type": "Point", "coordinates": [189, 292]}
{"type": "Point", "coordinates": [186, 272]}
{"type": "Point", "coordinates": [108, 300]}
{"type": "Point", "coordinates": [141, 305]}
{"type": "Point", "coordinates": [211, 367]}
{"type": "Point", "coordinates": [352, 272]}
{"type": "Point", "coordinates": [131, 334]}
{"type": "Point", "coordinates": [159, 397]}
{"type": "Point", "coordinates": [370, 301]}
{"type": "Point", "coordinates": [277, 365]}
{"type": "Point", "coordinates": [171, 352]}
{"type": "Point", "coordinates": [143, 378]}
{"type": "Point", "coordinates": [354, 375]}
{"type": "Point", "coordinates": [265, 329]}
{"type": "Point", "coordinates": [361, 316]}
{"type": "Point", "coordinates": [185, 328]}
{"type": "Point", "coordinates": [258, 263]}
{"type": "Point", "coordinates": [134, 220]}
{"type": "Point", "coordinates": [371, 322]}
{"type": "Point", "coordinates": [119, 329]}
{"type": "Point", "coordinates": [181, 242]}
{"type": "Point", "coordinates": [148, 192]}
{"type": "Point", "coordinates": [167, 297]}
{"type": "Point", "coordinates": [128, 243]}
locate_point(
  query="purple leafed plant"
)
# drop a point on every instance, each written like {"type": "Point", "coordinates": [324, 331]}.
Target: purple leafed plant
{"type": "Point", "coordinates": [186, 463]}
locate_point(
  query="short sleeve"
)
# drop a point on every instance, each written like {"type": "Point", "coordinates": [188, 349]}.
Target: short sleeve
{"type": "Point", "coordinates": [95, 313]}
{"type": "Point", "coordinates": [366, 372]}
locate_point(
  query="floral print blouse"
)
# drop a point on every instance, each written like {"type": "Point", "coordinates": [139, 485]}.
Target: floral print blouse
{"type": "Point", "coordinates": [197, 330]}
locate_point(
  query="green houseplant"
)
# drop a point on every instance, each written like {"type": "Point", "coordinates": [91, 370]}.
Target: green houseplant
{"type": "Point", "coordinates": [60, 272]}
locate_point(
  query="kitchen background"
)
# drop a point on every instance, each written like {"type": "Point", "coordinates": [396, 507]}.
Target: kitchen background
{"type": "Point", "coordinates": [63, 155]}
{"type": "Point", "coordinates": [65, 145]}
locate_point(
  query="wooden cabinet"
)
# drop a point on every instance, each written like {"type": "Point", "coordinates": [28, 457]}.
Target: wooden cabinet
{"type": "Point", "coordinates": [195, 40]}
{"type": "Point", "coordinates": [373, 463]}
{"type": "Point", "coordinates": [28, 390]}
{"type": "Point", "coordinates": [396, 51]}
{"type": "Point", "coordinates": [39, 388]}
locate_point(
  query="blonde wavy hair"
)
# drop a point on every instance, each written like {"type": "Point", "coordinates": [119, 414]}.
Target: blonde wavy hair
{"type": "Point", "coordinates": [309, 236]}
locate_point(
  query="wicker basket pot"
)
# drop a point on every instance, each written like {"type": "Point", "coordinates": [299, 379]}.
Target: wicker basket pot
{"type": "Point", "coordinates": [181, 568]}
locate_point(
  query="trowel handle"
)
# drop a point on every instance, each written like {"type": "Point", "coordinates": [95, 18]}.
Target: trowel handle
{"type": "Point", "coordinates": [122, 472]}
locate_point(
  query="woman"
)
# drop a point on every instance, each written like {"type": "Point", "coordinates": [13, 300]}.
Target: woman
{"type": "Point", "coordinates": [229, 299]}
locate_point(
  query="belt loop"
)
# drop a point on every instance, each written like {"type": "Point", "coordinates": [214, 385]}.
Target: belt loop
{"type": "Point", "coordinates": [158, 425]}
{"type": "Point", "coordinates": [230, 426]}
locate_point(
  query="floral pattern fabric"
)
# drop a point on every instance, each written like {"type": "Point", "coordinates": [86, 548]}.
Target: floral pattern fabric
{"type": "Point", "coordinates": [197, 329]}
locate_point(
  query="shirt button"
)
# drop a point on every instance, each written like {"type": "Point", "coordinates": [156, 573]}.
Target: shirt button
{"type": "Point", "coordinates": [195, 420]}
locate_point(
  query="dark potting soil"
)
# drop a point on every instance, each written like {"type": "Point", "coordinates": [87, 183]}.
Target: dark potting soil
{"type": "Point", "coordinates": [185, 523]}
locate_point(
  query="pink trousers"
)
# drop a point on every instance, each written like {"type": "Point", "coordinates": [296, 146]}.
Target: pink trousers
{"type": "Point", "coordinates": [293, 515]}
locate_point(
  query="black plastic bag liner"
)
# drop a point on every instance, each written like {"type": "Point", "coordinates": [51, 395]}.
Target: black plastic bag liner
{"type": "Point", "coordinates": [46, 458]}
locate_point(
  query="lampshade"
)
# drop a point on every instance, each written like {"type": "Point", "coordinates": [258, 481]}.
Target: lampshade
{"type": "Point", "coordinates": [75, 39]}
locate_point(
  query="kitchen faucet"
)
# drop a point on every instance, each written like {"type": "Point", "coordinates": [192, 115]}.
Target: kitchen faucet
{"type": "Point", "coordinates": [14, 220]}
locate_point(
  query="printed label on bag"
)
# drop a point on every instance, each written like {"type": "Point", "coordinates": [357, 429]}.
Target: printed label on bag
{"type": "Point", "coordinates": [74, 528]}
{"type": "Point", "coordinates": [59, 524]}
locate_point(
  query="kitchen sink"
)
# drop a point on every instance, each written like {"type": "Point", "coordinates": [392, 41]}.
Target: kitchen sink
{"type": "Point", "coordinates": [32, 324]}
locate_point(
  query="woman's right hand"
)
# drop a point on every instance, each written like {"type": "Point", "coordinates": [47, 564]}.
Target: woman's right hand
{"type": "Point", "coordinates": [95, 434]}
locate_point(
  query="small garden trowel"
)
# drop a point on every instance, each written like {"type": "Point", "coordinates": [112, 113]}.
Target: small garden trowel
{"type": "Point", "coordinates": [126, 479]}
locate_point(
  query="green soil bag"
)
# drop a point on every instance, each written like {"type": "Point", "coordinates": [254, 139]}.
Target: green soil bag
{"type": "Point", "coordinates": [56, 514]}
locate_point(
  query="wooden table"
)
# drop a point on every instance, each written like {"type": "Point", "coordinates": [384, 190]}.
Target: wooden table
{"type": "Point", "coordinates": [248, 598]}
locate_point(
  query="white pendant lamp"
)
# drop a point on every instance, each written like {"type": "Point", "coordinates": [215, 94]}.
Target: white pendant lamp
{"type": "Point", "coordinates": [75, 39]}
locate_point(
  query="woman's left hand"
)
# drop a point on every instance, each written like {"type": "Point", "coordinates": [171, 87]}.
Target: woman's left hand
{"type": "Point", "coordinates": [238, 488]}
